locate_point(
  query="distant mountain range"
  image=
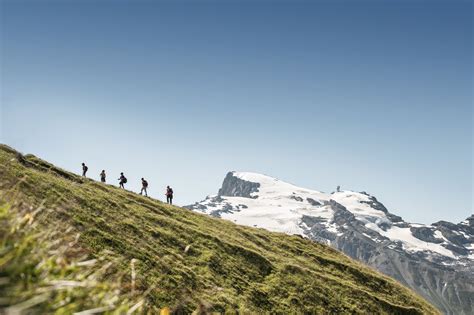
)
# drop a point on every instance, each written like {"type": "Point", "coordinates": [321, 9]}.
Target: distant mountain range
{"type": "Point", "coordinates": [435, 260]}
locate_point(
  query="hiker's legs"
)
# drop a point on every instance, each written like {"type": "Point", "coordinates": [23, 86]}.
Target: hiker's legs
{"type": "Point", "coordinates": [171, 200]}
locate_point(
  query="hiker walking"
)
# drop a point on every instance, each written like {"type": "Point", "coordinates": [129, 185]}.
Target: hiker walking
{"type": "Point", "coordinates": [169, 195]}
{"type": "Point", "coordinates": [102, 176]}
{"type": "Point", "coordinates": [123, 180]}
{"type": "Point", "coordinates": [84, 169]}
{"type": "Point", "coordinates": [338, 189]}
{"type": "Point", "coordinates": [144, 187]}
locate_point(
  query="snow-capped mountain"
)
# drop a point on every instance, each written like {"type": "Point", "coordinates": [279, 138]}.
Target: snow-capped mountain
{"type": "Point", "coordinates": [435, 260]}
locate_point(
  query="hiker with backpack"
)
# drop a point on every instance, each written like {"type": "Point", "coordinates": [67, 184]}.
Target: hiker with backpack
{"type": "Point", "coordinates": [144, 187]}
{"type": "Point", "coordinates": [84, 169]}
{"type": "Point", "coordinates": [102, 176]}
{"type": "Point", "coordinates": [123, 180]}
{"type": "Point", "coordinates": [169, 195]}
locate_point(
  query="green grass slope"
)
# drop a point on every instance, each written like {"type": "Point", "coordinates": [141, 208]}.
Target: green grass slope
{"type": "Point", "coordinates": [70, 244]}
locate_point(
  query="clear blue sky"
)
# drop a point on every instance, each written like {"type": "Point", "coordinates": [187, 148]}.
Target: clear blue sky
{"type": "Point", "coordinates": [369, 95]}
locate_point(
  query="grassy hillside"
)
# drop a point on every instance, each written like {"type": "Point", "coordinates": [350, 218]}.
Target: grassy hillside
{"type": "Point", "coordinates": [70, 244]}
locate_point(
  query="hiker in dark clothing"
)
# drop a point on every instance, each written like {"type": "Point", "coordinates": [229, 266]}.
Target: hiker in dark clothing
{"type": "Point", "coordinates": [102, 176]}
{"type": "Point", "coordinates": [144, 187]}
{"type": "Point", "coordinates": [123, 180]}
{"type": "Point", "coordinates": [169, 195]}
{"type": "Point", "coordinates": [338, 189]}
{"type": "Point", "coordinates": [84, 169]}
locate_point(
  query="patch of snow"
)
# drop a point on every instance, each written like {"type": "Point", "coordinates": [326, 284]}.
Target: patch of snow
{"type": "Point", "coordinates": [332, 228]}
{"type": "Point", "coordinates": [439, 235]}
{"type": "Point", "coordinates": [412, 243]}
{"type": "Point", "coordinates": [266, 215]}
{"type": "Point", "coordinates": [370, 237]}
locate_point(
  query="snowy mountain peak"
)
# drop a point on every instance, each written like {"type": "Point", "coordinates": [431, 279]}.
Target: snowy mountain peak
{"type": "Point", "coordinates": [439, 256]}
{"type": "Point", "coordinates": [272, 192]}
{"type": "Point", "coordinates": [262, 201]}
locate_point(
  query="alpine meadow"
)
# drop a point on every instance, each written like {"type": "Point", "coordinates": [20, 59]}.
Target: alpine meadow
{"type": "Point", "coordinates": [71, 244]}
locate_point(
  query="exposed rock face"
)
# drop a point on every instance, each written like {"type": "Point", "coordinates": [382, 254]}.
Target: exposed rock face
{"type": "Point", "coordinates": [425, 234]}
{"type": "Point", "coordinates": [236, 187]}
{"type": "Point", "coordinates": [435, 260]}
{"type": "Point", "coordinates": [313, 202]}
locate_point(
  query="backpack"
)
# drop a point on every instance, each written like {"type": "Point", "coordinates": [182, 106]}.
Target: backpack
{"type": "Point", "coordinates": [85, 168]}
{"type": "Point", "coordinates": [145, 183]}
{"type": "Point", "coordinates": [124, 180]}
